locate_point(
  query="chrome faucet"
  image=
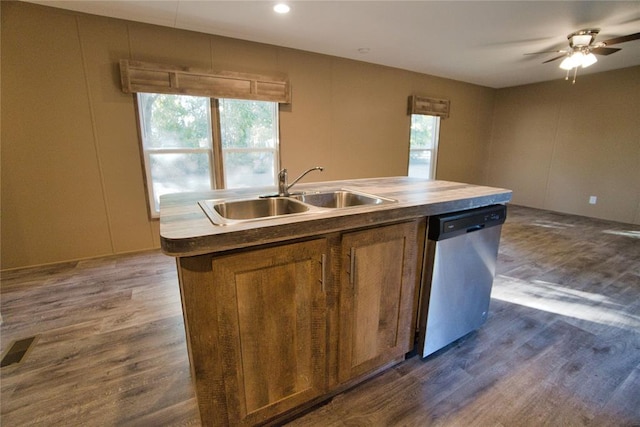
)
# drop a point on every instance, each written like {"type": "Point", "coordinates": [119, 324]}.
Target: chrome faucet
{"type": "Point", "coordinates": [284, 186]}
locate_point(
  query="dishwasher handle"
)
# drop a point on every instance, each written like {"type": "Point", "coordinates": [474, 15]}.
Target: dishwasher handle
{"type": "Point", "coordinates": [475, 228]}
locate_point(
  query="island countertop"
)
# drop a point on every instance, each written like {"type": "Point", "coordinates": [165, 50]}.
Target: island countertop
{"type": "Point", "coordinates": [185, 230]}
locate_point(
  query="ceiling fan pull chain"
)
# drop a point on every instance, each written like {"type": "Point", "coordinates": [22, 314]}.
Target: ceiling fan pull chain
{"type": "Point", "coordinates": [575, 73]}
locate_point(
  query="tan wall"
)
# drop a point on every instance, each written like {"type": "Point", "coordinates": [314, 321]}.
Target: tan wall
{"type": "Point", "coordinates": [72, 184]}
{"type": "Point", "coordinates": [555, 144]}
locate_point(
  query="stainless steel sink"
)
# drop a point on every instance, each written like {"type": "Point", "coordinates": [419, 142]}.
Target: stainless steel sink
{"type": "Point", "coordinates": [230, 211]}
{"type": "Point", "coordinates": [341, 199]}
{"type": "Point", "coordinates": [226, 212]}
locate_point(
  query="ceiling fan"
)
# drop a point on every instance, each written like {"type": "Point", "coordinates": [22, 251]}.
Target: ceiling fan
{"type": "Point", "coordinates": [583, 48]}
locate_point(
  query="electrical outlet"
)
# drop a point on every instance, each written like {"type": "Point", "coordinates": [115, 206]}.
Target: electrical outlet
{"type": "Point", "coordinates": [593, 200]}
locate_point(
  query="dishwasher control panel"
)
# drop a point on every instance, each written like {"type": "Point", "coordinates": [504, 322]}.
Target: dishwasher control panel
{"type": "Point", "coordinates": [453, 224]}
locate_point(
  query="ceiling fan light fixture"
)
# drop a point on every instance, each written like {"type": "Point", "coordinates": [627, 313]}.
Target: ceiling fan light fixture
{"type": "Point", "coordinates": [281, 8]}
{"type": "Point", "coordinates": [567, 63]}
{"type": "Point", "coordinates": [581, 40]}
{"type": "Point", "coordinates": [578, 59]}
{"type": "Point", "coordinates": [572, 61]}
{"type": "Point", "coordinates": [588, 60]}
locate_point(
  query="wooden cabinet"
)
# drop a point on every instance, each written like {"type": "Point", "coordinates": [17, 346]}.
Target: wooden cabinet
{"type": "Point", "coordinates": [378, 281]}
{"type": "Point", "coordinates": [272, 325]}
{"type": "Point", "coordinates": [271, 329]}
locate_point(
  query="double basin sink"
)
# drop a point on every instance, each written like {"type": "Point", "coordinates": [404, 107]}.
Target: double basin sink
{"type": "Point", "coordinates": [225, 212]}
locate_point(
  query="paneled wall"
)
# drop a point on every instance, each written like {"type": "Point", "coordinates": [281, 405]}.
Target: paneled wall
{"type": "Point", "coordinates": [72, 182]}
{"type": "Point", "coordinates": [555, 144]}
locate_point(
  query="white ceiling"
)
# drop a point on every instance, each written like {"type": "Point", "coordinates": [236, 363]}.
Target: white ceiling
{"type": "Point", "coordinates": [481, 42]}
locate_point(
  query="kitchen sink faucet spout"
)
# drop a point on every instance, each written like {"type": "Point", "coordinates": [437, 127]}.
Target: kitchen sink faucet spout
{"type": "Point", "coordinates": [284, 186]}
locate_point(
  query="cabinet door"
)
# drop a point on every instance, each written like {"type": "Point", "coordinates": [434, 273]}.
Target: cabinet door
{"type": "Point", "coordinates": [378, 280]}
{"type": "Point", "coordinates": [272, 320]}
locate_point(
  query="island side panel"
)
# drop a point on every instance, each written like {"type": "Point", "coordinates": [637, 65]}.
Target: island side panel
{"type": "Point", "coordinates": [421, 247]}
{"type": "Point", "coordinates": [199, 308]}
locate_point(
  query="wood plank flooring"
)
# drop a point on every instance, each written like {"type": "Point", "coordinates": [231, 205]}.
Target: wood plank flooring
{"type": "Point", "coordinates": [561, 346]}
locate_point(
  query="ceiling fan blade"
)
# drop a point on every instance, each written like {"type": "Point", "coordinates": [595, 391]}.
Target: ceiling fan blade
{"type": "Point", "coordinates": [622, 39]}
{"type": "Point", "coordinates": [554, 59]}
{"type": "Point", "coordinates": [604, 50]}
{"type": "Point", "coordinates": [547, 51]}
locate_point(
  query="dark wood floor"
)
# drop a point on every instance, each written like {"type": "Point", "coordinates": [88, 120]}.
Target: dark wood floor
{"type": "Point", "coordinates": [561, 346]}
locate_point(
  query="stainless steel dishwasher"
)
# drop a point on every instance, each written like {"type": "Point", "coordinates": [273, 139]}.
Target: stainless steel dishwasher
{"type": "Point", "coordinates": [460, 263]}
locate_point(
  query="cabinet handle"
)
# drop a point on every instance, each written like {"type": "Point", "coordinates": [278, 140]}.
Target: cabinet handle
{"type": "Point", "coordinates": [352, 266]}
{"type": "Point", "coordinates": [323, 262]}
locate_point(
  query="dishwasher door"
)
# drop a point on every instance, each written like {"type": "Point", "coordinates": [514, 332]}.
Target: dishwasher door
{"type": "Point", "coordinates": [460, 264]}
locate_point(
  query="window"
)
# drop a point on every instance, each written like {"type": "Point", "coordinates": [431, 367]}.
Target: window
{"type": "Point", "coordinates": [249, 134]}
{"type": "Point", "coordinates": [423, 146]}
{"type": "Point", "coordinates": [193, 143]}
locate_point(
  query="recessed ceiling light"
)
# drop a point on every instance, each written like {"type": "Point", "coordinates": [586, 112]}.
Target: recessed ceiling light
{"type": "Point", "coordinates": [281, 8]}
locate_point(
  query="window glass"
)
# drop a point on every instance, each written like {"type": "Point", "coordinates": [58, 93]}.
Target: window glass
{"type": "Point", "coordinates": [175, 121]}
{"type": "Point", "coordinates": [249, 134]}
{"type": "Point", "coordinates": [248, 124]}
{"type": "Point", "coordinates": [179, 147]}
{"type": "Point", "coordinates": [249, 168]}
{"type": "Point", "coordinates": [420, 163]}
{"type": "Point", "coordinates": [423, 146]}
{"type": "Point", "coordinates": [174, 172]}
{"type": "Point", "coordinates": [422, 131]}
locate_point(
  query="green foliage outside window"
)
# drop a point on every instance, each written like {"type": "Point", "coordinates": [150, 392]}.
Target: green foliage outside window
{"type": "Point", "coordinates": [422, 128]}
{"type": "Point", "coordinates": [175, 121]}
{"type": "Point", "coordinates": [247, 124]}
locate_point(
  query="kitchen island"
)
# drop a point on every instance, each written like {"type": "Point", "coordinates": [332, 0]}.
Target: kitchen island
{"type": "Point", "coordinates": [283, 312]}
